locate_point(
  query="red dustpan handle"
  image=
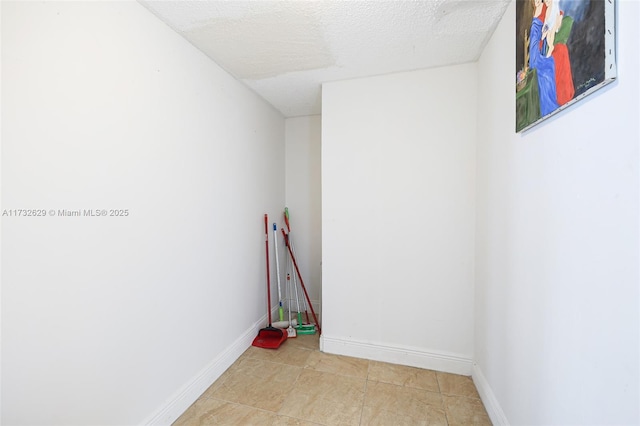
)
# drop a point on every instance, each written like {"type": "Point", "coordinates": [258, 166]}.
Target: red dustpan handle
{"type": "Point", "coordinates": [266, 246]}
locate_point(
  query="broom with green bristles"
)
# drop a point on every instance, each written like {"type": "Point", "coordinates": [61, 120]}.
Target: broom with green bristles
{"type": "Point", "coordinates": [300, 327]}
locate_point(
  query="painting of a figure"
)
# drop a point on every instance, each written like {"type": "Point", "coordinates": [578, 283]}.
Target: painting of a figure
{"type": "Point", "coordinates": [564, 51]}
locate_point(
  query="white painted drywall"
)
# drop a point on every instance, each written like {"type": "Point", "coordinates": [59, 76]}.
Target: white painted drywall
{"type": "Point", "coordinates": [398, 169]}
{"type": "Point", "coordinates": [303, 195]}
{"type": "Point", "coordinates": [104, 319]}
{"type": "Point", "coordinates": [557, 302]}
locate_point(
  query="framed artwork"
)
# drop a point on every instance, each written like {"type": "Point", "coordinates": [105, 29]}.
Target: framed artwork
{"type": "Point", "coordinates": [565, 50]}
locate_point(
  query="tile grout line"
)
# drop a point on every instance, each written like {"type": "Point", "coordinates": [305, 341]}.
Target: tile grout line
{"type": "Point", "coordinates": [364, 394]}
{"type": "Point", "coordinates": [444, 405]}
{"type": "Point", "coordinates": [275, 413]}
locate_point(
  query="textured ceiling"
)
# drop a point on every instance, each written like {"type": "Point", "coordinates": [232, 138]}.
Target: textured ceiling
{"type": "Point", "coordinates": [285, 50]}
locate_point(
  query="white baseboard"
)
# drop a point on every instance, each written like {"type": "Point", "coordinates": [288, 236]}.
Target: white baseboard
{"type": "Point", "coordinates": [489, 400]}
{"type": "Point", "coordinates": [189, 393]}
{"type": "Point", "coordinates": [432, 360]}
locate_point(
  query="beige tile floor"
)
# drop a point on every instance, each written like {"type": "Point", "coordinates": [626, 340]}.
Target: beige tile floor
{"type": "Point", "coordinates": [299, 385]}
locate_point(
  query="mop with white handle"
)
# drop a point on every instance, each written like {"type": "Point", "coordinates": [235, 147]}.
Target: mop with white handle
{"type": "Point", "coordinates": [275, 245]}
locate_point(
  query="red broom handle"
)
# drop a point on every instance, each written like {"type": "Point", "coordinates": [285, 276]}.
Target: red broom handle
{"type": "Point", "coordinates": [286, 220]}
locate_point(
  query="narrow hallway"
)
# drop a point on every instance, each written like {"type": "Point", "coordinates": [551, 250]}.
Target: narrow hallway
{"type": "Point", "coordinates": [299, 385]}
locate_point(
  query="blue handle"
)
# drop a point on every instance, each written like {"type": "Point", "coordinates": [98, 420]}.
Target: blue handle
{"type": "Point", "coordinates": [275, 228]}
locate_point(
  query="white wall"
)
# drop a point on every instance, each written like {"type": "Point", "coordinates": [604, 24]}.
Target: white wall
{"type": "Point", "coordinates": [557, 302]}
{"type": "Point", "coordinates": [303, 195]}
{"type": "Point", "coordinates": [124, 320]}
{"type": "Point", "coordinates": [398, 169]}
